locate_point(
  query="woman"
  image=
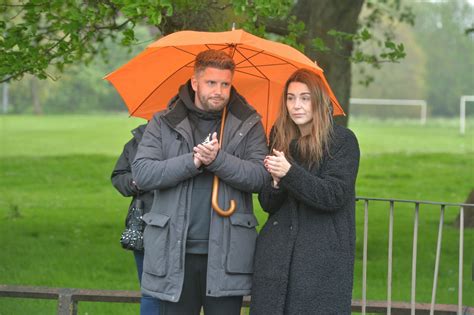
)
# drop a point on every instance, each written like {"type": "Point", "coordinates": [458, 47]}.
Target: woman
{"type": "Point", "coordinates": [124, 183]}
{"type": "Point", "coordinates": [304, 258]}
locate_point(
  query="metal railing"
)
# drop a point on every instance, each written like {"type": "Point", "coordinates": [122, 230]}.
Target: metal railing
{"type": "Point", "coordinates": [414, 307]}
{"type": "Point", "coordinates": [68, 299]}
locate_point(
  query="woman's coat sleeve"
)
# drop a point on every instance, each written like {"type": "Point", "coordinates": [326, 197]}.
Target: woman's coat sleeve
{"type": "Point", "coordinates": [122, 173]}
{"type": "Point", "coordinates": [329, 190]}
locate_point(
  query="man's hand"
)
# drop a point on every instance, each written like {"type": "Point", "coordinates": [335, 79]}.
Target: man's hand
{"type": "Point", "coordinates": [277, 165]}
{"type": "Point", "coordinates": [206, 152]}
{"type": "Point", "coordinates": [197, 162]}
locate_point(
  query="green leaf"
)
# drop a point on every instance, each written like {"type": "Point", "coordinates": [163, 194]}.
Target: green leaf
{"type": "Point", "coordinates": [390, 44]}
{"type": "Point", "coordinates": [319, 45]}
{"type": "Point", "coordinates": [365, 35]}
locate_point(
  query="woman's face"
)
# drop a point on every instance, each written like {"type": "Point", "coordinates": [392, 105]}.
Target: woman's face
{"type": "Point", "coordinates": [298, 103]}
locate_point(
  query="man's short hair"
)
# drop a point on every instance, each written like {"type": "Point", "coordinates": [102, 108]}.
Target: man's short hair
{"type": "Point", "coordinates": [215, 59]}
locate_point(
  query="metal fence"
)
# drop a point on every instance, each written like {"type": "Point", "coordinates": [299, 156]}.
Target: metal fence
{"type": "Point", "coordinates": [416, 208]}
{"type": "Point", "coordinates": [68, 299]}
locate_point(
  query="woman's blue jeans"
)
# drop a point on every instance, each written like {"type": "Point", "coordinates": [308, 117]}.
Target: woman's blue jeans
{"type": "Point", "coordinates": [148, 305]}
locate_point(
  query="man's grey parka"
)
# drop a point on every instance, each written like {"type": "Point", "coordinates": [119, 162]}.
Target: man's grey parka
{"type": "Point", "coordinates": [164, 162]}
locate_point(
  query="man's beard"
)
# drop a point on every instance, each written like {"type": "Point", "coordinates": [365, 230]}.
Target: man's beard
{"type": "Point", "coordinates": [209, 106]}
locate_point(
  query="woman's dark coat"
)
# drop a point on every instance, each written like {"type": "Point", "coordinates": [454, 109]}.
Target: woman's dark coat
{"type": "Point", "coordinates": [122, 173]}
{"type": "Point", "coordinates": [304, 258]}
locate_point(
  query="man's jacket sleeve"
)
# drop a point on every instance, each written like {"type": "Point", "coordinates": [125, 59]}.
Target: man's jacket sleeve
{"type": "Point", "coordinates": [245, 173]}
{"type": "Point", "coordinates": [151, 170]}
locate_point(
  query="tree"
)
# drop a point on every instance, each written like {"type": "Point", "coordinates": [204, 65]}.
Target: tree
{"type": "Point", "coordinates": [41, 35]}
{"type": "Point", "coordinates": [441, 31]}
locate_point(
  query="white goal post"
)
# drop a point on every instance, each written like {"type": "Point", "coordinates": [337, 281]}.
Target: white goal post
{"type": "Point", "coordinates": [462, 112]}
{"type": "Point", "coordinates": [384, 101]}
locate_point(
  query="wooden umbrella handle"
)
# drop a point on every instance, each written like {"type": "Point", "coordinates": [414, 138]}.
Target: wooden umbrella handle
{"type": "Point", "coordinates": [215, 183]}
{"type": "Point", "coordinates": [215, 202]}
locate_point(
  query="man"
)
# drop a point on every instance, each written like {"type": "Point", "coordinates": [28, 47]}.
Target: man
{"type": "Point", "coordinates": [193, 257]}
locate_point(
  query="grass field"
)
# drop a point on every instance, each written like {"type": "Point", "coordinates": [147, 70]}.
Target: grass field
{"type": "Point", "coordinates": [60, 218]}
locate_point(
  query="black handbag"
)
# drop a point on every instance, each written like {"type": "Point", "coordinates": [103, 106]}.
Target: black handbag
{"type": "Point", "coordinates": [132, 237]}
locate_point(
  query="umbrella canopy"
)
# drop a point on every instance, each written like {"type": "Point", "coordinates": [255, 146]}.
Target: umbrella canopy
{"type": "Point", "coordinates": [149, 80]}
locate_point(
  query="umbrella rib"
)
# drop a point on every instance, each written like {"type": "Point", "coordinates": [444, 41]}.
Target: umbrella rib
{"type": "Point", "coordinates": [251, 74]}
{"type": "Point", "coordinates": [256, 68]}
{"type": "Point", "coordinates": [267, 65]}
{"type": "Point", "coordinates": [185, 51]}
{"type": "Point", "coordinates": [268, 105]}
{"type": "Point", "coordinates": [193, 54]}
{"type": "Point", "coordinates": [263, 52]}
{"type": "Point", "coordinates": [146, 98]}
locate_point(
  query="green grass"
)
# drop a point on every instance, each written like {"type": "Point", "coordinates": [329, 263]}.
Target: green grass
{"type": "Point", "coordinates": [65, 135]}
{"type": "Point", "coordinates": [60, 218]}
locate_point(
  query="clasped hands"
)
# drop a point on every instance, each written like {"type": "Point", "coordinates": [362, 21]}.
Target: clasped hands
{"type": "Point", "coordinates": [277, 165]}
{"type": "Point", "coordinates": [205, 153]}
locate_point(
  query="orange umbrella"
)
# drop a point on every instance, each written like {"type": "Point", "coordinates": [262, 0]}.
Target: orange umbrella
{"type": "Point", "coordinates": [148, 81]}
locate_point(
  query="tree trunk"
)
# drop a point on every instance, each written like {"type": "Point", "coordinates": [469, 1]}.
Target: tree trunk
{"type": "Point", "coordinates": [320, 16]}
{"type": "Point", "coordinates": [468, 213]}
{"type": "Point", "coordinates": [37, 109]}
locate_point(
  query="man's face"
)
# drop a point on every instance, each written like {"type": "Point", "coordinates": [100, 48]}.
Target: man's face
{"type": "Point", "coordinates": [212, 87]}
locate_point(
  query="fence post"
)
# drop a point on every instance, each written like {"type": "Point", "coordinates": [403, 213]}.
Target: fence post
{"type": "Point", "coordinates": [413, 262]}
{"type": "Point", "coordinates": [364, 263]}
{"type": "Point", "coordinates": [438, 254]}
{"type": "Point", "coordinates": [390, 248]}
{"type": "Point", "coordinates": [66, 305]}
{"type": "Point", "coordinates": [461, 252]}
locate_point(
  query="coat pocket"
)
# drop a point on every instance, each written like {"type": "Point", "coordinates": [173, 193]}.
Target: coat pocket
{"type": "Point", "coordinates": [241, 244]}
{"type": "Point", "coordinates": [156, 240]}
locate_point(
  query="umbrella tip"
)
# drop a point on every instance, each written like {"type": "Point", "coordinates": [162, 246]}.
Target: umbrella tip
{"type": "Point", "coordinates": [233, 26]}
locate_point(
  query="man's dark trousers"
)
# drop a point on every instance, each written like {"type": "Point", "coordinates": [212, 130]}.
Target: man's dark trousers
{"type": "Point", "coordinates": [194, 296]}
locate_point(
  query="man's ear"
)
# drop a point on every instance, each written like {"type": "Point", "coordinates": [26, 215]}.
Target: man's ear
{"type": "Point", "coordinates": [194, 82]}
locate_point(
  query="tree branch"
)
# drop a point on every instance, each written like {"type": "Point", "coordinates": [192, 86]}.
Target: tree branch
{"type": "Point", "coordinates": [278, 27]}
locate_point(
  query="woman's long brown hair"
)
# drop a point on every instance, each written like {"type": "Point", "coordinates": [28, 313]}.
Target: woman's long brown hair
{"type": "Point", "coordinates": [311, 147]}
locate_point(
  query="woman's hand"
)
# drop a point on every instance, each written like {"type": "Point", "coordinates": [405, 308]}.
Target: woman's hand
{"type": "Point", "coordinates": [277, 165]}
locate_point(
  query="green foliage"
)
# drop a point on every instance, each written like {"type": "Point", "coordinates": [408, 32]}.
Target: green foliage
{"type": "Point", "coordinates": [377, 23]}
{"type": "Point", "coordinates": [255, 9]}
{"type": "Point", "coordinates": [80, 88]}
{"type": "Point", "coordinates": [40, 34]}
{"type": "Point", "coordinates": [376, 16]}
{"type": "Point", "coordinates": [296, 29]}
